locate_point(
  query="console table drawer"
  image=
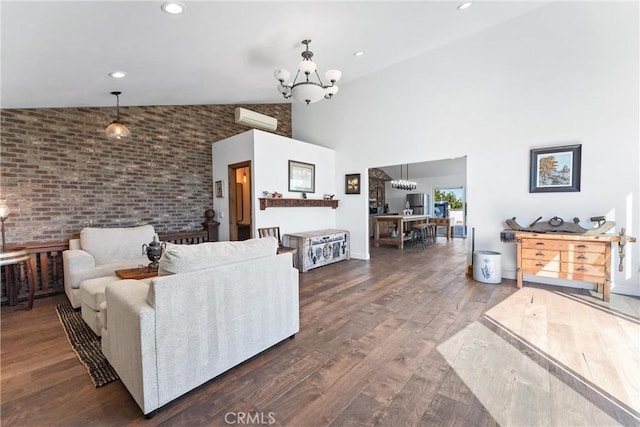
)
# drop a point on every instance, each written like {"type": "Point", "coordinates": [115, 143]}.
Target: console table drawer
{"type": "Point", "coordinates": [540, 254]}
{"type": "Point", "coordinates": [583, 257]}
{"type": "Point", "coordinates": [588, 269]}
{"type": "Point", "coordinates": [559, 245]}
{"type": "Point", "coordinates": [533, 266]}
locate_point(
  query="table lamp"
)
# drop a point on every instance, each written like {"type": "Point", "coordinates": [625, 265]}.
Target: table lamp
{"type": "Point", "coordinates": [4, 213]}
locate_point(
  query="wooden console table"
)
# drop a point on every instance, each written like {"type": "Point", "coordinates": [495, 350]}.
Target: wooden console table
{"type": "Point", "coordinates": [566, 256]}
{"type": "Point", "coordinates": [296, 203]}
{"type": "Point", "coordinates": [442, 222]}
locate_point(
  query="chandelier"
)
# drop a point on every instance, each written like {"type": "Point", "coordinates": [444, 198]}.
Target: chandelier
{"type": "Point", "coordinates": [307, 90]}
{"type": "Point", "coordinates": [403, 184]}
{"type": "Point", "coordinates": [117, 130]}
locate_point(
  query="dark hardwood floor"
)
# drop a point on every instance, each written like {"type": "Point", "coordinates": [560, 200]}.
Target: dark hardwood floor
{"type": "Point", "coordinates": [401, 340]}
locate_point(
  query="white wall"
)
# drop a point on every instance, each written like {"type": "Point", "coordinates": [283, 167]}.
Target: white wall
{"type": "Point", "coordinates": [562, 74]}
{"type": "Point", "coordinates": [271, 173]}
{"type": "Point", "coordinates": [270, 155]}
{"type": "Point", "coordinates": [235, 149]}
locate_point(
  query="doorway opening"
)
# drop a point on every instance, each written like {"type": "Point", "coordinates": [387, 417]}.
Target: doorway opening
{"type": "Point", "coordinates": [240, 197]}
{"type": "Point", "coordinates": [451, 202]}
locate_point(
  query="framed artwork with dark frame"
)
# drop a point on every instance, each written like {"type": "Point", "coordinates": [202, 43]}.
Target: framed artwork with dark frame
{"type": "Point", "coordinates": [219, 188]}
{"type": "Point", "coordinates": [555, 169]}
{"type": "Point", "coordinates": [302, 177]}
{"type": "Point", "coordinates": [352, 183]}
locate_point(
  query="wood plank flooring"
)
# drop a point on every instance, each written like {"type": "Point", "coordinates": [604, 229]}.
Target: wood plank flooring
{"type": "Point", "coordinates": [405, 339]}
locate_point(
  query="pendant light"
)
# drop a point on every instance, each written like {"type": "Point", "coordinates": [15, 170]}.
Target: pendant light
{"type": "Point", "coordinates": [306, 90]}
{"type": "Point", "coordinates": [404, 184]}
{"type": "Point", "coordinates": [117, 130]}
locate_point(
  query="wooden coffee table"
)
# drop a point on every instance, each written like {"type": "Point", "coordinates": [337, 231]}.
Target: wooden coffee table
{"type": "Point", "coordinates": [136, 273]}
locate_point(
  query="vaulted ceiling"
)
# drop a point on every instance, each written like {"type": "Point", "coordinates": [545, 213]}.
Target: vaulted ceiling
{"type": "Point", "coordinates": [59, 53]}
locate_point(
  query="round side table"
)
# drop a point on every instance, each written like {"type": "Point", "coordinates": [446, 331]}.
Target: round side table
{"type": "Point", "coordinates": [19, 257]}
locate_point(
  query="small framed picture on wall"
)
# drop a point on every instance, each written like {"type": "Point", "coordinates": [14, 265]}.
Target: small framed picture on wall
{"type": "Point", "coordinates": [302, 177]}
{"type": "Point", "coordinates": [352, 183]}
{"type": "Point", "coordinates": [219, 188]}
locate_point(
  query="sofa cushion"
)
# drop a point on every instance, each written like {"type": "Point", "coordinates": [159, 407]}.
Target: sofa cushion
{"type": "Point", "coordinates": [92, 290]}
{"type": "Point", "coordinates": [183, 258]}
{"type": "Point", "coordinates": [108, 245]}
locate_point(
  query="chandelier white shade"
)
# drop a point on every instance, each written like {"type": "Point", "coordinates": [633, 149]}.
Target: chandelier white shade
{"type": "Point", "coordinates": [117, 130]}
{"type": "Point", "coordinates": [307, 90]}
{"type": "Point", "coordinates": [404, 184]}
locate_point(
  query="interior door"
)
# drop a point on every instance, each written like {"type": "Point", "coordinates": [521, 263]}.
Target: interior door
{"type": "Point", "coordinates": [240, 199]}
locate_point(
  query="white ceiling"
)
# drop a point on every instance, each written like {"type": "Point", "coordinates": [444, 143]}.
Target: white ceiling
{"type": "Point", "coordinates": [59, 53]}
{"type": "Point", "coordinates": [435, 168]}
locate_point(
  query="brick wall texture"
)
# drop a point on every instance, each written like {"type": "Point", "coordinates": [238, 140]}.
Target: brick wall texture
{"type": "Point", "coordinates": [59, 173]}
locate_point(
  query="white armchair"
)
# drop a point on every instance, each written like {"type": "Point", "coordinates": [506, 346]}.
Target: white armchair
{"type": "Point", "coordinates": [101, 251]}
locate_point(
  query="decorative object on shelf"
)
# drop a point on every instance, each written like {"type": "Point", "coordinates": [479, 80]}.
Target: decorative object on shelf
{"type": "Point", "coordinates": [4, 214]}
{"type": "Point", "coordinates": [117, 130]}
{"type": "Point", "coordinates": [328, 196]}
{"type": "Point", "coordinates": [153, 251]}
{"type": "Point", "coordinates": [352, 183]}
{"type": "Point", "coordinates": [403, 184]}
{"type": "Point", "coordinates": [304, 195]}
{"type": "Point", "coordinates": [555, 169]}
{"type": "Point", "coordinates": [557, 224]}
{"type": "Point", "coordinates": [220, 188]}
{"type": "Point", "coordinates": [302, 177]}
{"type": "Point", "coordinates": [266, 194]}
{"type": "Point", "coordinates": [307, 90]}
{"type": "Point", "coordinates": [277, 195]}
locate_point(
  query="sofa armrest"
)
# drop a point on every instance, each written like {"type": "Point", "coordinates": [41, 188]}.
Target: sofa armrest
{"type": "Point", "coordinates": [129, 344]}
{"type": "Point", "coordinates": [73, 261]}
{"type": "Point", "coordinates": [76, 265]}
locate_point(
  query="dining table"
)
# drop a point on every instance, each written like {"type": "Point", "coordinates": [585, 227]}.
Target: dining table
{"type": "Point", "coordinates": [385, 225]}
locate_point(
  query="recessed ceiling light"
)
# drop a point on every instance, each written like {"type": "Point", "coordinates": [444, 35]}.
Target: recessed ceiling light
{"type": "Point", "coordinates": [358, 53]}
{"type": "Point", "coordinates": [464, 5]}
{"type": "Point", "coordinates": [118, 74]}
{"type": "Point", "coordinates": [172, 8]}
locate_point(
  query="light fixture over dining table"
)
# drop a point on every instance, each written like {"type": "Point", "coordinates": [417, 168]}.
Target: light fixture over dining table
{"type": "Point", "coordinates": [404, 184]}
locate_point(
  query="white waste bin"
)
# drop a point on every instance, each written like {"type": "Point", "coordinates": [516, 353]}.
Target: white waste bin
{"type": "Point", "coordinates": [487, 267]}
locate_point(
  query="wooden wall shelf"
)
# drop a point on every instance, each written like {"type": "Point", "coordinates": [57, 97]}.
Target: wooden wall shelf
{"type": "Point", "coordinates": [296, 203]}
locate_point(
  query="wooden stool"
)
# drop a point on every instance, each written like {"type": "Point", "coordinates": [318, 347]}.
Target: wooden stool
{"type": "Point", "coordinates": [17, 258]}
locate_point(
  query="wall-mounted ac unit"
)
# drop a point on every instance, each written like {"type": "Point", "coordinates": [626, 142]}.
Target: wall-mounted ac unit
{"type": "Point", "coordinates": [255, 120]}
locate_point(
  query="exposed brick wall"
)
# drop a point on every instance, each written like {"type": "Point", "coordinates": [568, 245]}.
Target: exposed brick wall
{"type": "Point", "coordinates": [59, 173]}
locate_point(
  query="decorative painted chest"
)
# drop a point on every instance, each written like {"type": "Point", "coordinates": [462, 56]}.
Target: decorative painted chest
{"type": "Point", "coordinates": [318, 248]}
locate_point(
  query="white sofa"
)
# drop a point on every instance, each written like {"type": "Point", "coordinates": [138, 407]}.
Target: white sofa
{"type": "Point", "coordinates": [213, 306]}
{"type": "Point", "coordinates": [101, 251]}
